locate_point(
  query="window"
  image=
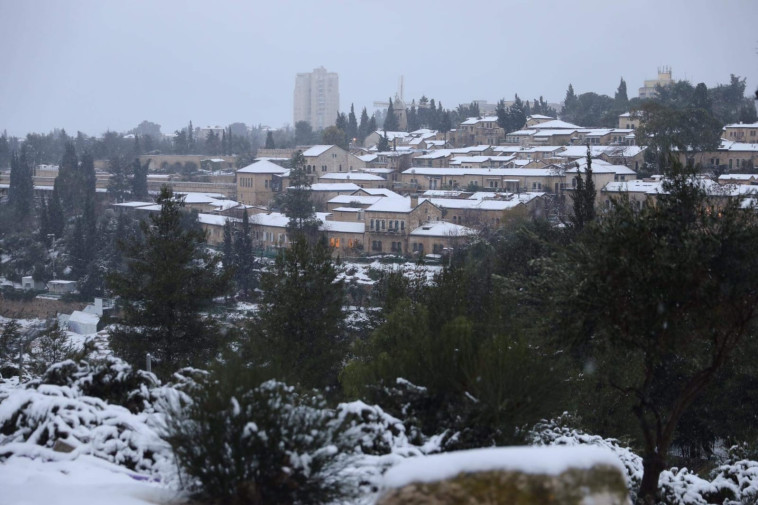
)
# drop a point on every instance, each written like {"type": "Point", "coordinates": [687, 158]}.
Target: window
{"type": "Point", "coordinates": [334, 242]}
{"type": "Point", "coordinates": [383, 223]}
{"type": "Point", "coordinates": [372, 225]}
{"type": "Point", "coordinates": [402, 225]}
{"type": "Point", "coordinates": [266, 184]}
{"type": "Point", "coordinates": [376, 245]}
{"type": "Point", "coordinates": [323, 168]}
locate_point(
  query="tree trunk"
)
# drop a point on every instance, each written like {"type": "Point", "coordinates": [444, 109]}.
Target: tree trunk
{"type": "Point", "coordinates": [652, 465]}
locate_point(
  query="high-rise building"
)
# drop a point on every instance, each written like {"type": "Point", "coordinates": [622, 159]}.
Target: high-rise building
{"type": "Point", "coordinates": [317, 98]}
{"type": "Point", "coordinates": [664, 79]}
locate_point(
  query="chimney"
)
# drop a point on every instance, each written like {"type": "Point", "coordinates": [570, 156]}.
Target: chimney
{"type": "Point", "coordinates": [414, 201]}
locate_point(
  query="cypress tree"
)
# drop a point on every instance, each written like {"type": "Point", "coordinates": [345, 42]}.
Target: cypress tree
{"type": "Point", "coordinates": [584, 196]}
{"type": "Point", "coordinates": [270, 140]}
{"type": "Point", "coordinates": [352, 125]}
{"type": "Point", "coordinates": [244, 258]}
{"type": "Point", "coordinates": [139, 179]}
{"type": "Point", "coordinates": [56, 218]}
{"type": "Point", "coordinates": [391, 122]}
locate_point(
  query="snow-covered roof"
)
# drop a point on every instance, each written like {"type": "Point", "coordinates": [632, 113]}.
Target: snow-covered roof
{"type": "Point", "coordinates": [380, 192]}
{"type": "Point", "coordinates": [317, 150]}
{"type": "Point", "coordinates": [728, 145]}
{"type": "Point", "coordinates": [360, 199]}
{"type": "Point", "coordinates": [600, 167]}
{"type": "Point", "coordinates": [334, 186]}
{"type": "Point", "coordinates": [555, 124]}
{"type": "Point", "coordinates": [343, 226]}
{"type": "Point", "coordinates": [402, 204]}
{"type": "Point", "coordinates": [613, 151]}
{"type": "Point", "coordinates": [350, 176]}
{"type": "Point", "coordinates": [368, 158]}
{"type": "Point", "coordinates": [468, 204]}
{"type": "Point", "coordinates": [263, 166]}
{"type": "Point", "coordinates": [495, 172]}
{"type": "Point", "coordinates": [215, 219]}
{"type": "Point", "coordinates": [475, 120]}
{"type": "Point", "coordinates": [523, 132]}
{"type": "Point", "coordinates": [442, 229]}
{"type": "Point", "coordinates": [539, 116]}
{"type": "Point", "coordinates": [738, 177]}
{"type": "Point", "coordinates": [132, 205]}
{"type": "Point", "coordinates": [742, 125]}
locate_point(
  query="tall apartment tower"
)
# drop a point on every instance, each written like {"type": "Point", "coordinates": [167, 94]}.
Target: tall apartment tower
{"type": "Point", "coordinates": [317, 98]}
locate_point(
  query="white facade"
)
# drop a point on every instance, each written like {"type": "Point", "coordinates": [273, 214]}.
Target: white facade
{"type": "Point", "coordinates": [317, 98]}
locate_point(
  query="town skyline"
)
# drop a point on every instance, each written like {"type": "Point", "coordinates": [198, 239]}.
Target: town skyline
{"type": "Point", "coordinates": [91, 67]}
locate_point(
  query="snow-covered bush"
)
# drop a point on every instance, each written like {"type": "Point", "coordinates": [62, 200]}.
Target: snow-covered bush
{"type": "Point", "coordinates": [58, 421]}
{"type": "Point", "coordinates": [261, 444]}
{"type": "Point", "coordinates": [560, 432]}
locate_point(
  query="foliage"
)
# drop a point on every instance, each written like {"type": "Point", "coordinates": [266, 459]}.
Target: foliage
{"type": "Point", "coordinates": [584, 196]}
{"type": "Point", "coordinates": [298, 330]}
{"type": "Point", "coordinates": [169, 278]}
{"type": "Point", "coordinates": [243, 441]}
{"type": "Point", "coordinates": [384, 143]}
{"type": "Point", "coordinates": [391, 121]}
{"type": "Point", "coordinates": [668, 291]}
{"type": "Point", "coordinates": [298, 206]}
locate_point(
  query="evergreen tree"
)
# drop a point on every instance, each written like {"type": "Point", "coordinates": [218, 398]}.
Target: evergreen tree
{"type": "Point", "coordinates": [303, 133]}
{"type": "Point", "coordinates": [270, 140]}
{"type": "Point", "coordinates": [68, 180]}
{"type": "Point", "coordinates": [620, 99]}
{"type": "Point", "coordinates": [190, 139]}
{"type": "Point", "coordinates": [169, 278]}
{"type": "Point", "coordinates": [413, 121]}
{"type": "Point", "coordinates": [56, 219]}
{"type": "Point", "coordinates": [371, 128]}
{"type": "Point", "coordinates": [384, 143]}
{"type": "Point", "coordinates": [21, 187]}
{"type": "Point", "coordinates": [212, 143]}
{"type": "Point", "coordinates": [87, 178]}
{"type": "Point", "coordinates": [244, 258]}
{"type": "Point", "coordinates": [118, 185]}
{"type": "Point", "coordinates": [298, 206]}
{"type": "Point", "coordinates": [652, 297]}
{"type": "Point", "coordinates": [584, 196]}
{"type": "Point", "coordinates": [227, 248]}
{"type": "Point", "coordinates": [139, 179]}
{"type": "Point", "coordinates": [352, 125]}
{"type": "Point", "coordinates": [331, 135]}
{"type": "Point", "coordinates": [181, 145]}
{"type": "Point", "coordinates": [299, 327]}
{"type": "Point", "coordinates": [341, 122]}
{"type": "Point", "coordinates": [44, 222]}
{"type": "Point", "coordinates": [569, 105]}
{"type": "Point", "coordinates": [363, 127]}
{"type": "Point", "coordinates": [5, 151]}
{"type": "Point", "coordinates": [390, 121]}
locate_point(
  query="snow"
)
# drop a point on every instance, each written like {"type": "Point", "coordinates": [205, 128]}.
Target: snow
{"type": "Point", "coordinates": [81, 481]}
{"type": "Point", "coordinates": [263, 167]}
{"type": "Point", "coordinates": [533, 460]}
{"type": "Point", "coordinates": [317, 150]}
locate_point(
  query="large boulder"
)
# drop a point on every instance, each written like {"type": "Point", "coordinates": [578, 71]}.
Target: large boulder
{"type": "Point", "coordinates": [556, 475]}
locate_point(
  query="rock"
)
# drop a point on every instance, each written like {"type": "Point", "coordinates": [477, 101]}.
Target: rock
{"type": "Point", "coordinates": [509, 476]}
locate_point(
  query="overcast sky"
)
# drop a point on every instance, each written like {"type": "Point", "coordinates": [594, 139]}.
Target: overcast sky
{"type": "Point", "coordinates": [101, 64]}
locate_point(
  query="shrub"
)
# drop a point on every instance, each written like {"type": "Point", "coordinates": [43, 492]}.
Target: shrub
{"type": "Point", "coordinates": [261, 444]}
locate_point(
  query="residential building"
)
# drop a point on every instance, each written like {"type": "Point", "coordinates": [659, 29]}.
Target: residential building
{"type": "Point", "coordinates": [741, 132]}
{"type": "Point", "coordinates": [317, 98]}
{"type": "Point", "coordinates": [322, 159]}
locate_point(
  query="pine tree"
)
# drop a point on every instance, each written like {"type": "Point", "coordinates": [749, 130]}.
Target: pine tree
{"type": "Point", "coordinates": [371, 128]}
{"type": "Point", "coordinates": [118, 185]}
{"type": "Point", "coordinates": [300, 322]}
{"type": "Point", "coordinates": [384, 144]}
{"type": "Point", "coordinates": [341, 122]}
{"type": "Point", "coordinates": [169, 278]}
{"type": "Point", "coordinates": [391, 122]}
{"type": "Point", "coordinates": [298, 206]}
